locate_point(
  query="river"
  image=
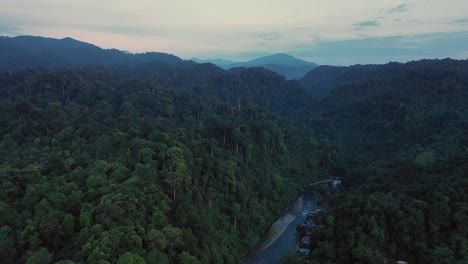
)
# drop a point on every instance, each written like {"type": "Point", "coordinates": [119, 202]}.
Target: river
{"type": "Point", "coordinates": [281, 238]}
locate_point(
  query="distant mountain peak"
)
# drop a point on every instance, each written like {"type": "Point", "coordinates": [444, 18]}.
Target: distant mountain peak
{"type": "Point", "coordinates": [281, 58]}
{"type": "Point", "coordinates": [281, 63]}
{"type": "Point", "coordinates": [69, 38]}
{"type": "Point", "coordinates": [280, 55]}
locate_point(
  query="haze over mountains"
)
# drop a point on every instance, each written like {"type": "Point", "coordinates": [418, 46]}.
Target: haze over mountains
{"type": "Point", "coordinates": [281, 63]}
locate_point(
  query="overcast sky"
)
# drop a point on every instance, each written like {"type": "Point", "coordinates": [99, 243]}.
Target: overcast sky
{"type": "Point", "coordinates": [324, 31]}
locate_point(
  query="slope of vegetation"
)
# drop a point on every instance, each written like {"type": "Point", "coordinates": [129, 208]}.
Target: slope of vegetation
{"type": "Point", "coordinates": [23, 52]}
{"type": "Point", "coordinates": [406, 143]}
{"type": "Point", "coordinates": [322, 80]}
{"type": "Point", "coordinates": [116, 166]}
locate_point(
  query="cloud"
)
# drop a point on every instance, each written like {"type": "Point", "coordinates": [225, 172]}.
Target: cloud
{"type": "Point", "coordinates": [400, 48]}
{"type": "Point", "coordinates": [213, 28]}
{"type": "Point", "coordinates": [460, 21]}
{"type": "Point", "coordinates": [398, 9]}
{"type": "Point", "coordinates": [365, 24]}
{"type": "Point", "coordinates": [131, 31]}
{"type": "Point", "coordinates": [270, 36]}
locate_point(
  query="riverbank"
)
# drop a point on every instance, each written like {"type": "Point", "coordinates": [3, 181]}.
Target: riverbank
{"type": "Point", "coordinates": [281, 239]}
{"type": "Point", "coordinates": [278, 228]}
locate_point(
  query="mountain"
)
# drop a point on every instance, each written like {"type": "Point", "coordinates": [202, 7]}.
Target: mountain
{"type": "Point", "coordinates": [283, 64]}
{"type": "Point", "coordinates": [29, 51]}
{"type": "Point", "coordinates": [276, 59]}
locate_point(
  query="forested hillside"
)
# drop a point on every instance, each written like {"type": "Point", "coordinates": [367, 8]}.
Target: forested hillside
{"type": "Point", "coordinates": [406, 144]}
{"type": "Point", "coordinates": [23, 52]}
{"type": "Point", "coordinates": [424, 108]}
{"type": "Point", "coordinates": [147, 164]}
{"type": "Point", "coordinates": [320, 81]}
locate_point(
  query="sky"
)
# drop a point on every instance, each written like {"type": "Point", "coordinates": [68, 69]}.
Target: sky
{"type": "Point", "coordinates": [337, 32]}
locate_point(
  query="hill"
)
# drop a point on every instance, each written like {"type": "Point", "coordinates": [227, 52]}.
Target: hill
{"type": "Point", "coordinates": [24, 52]}
{"type": "Point", "coordinates": [320, 81]}
{"type": "Point", "coordinates": [405, 142]}
{"type": "Point", "coordinates": [397, 111]}
{"type": "Point", "coordinates": [323, 79]}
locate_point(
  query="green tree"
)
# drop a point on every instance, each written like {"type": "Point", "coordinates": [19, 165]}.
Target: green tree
{"type": "Point", "coordinates": [176, 170]}
{"type": "Point", "coordinates": [426, 159]}
{"type": "Point", "coordinates": [186, 258]}
{"type": "Point", "coordinates": [68, 223]}
{"type": "Point", "coordinates": [130, 258]}
{"type": "Point", "coordinates": [7, 245]}
{"type": "Point", "coordinates": [85, 219]}
{"type": "Point", "coordinates": [236, 209]}
{"type": "Point", "coordinates": [156, 257]}
{"type": "Point", "coordinates": [157, 239]}
{"type": "Point", "coordinates": [40, 257]}
{"type": "Point", "coordinates": [441, 255]}
{"type": "Point", "coordinates": [173, 236]}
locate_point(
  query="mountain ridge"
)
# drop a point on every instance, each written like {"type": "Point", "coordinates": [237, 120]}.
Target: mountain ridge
{"type": "Point", "coordinates": [281, 63]}
{"type": "Point", "coordinates": [24, 52]}
{"type": "Point", "coordinates": [324, 79]}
